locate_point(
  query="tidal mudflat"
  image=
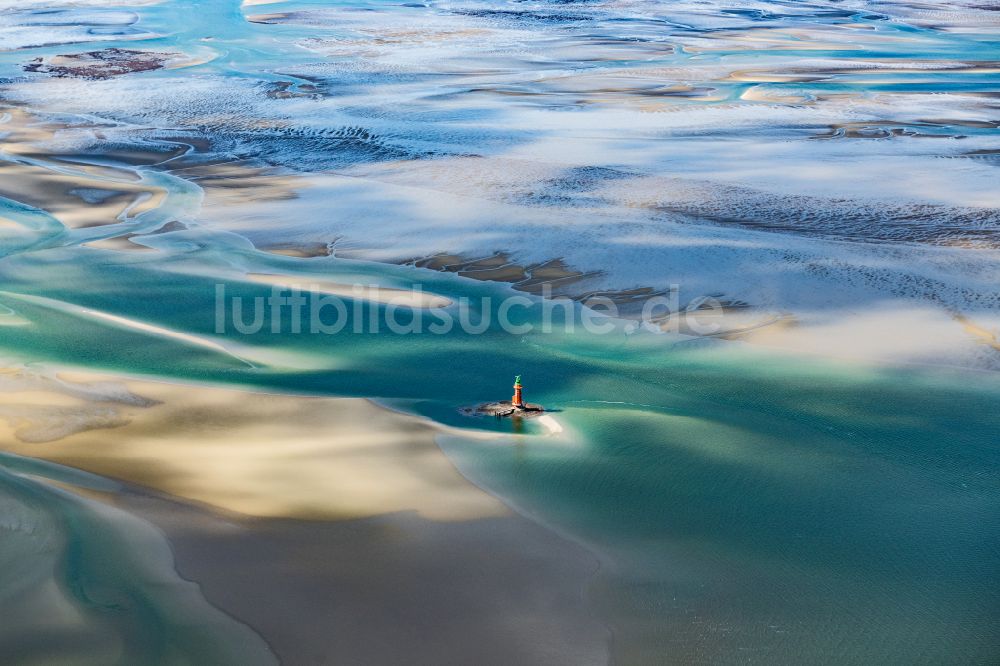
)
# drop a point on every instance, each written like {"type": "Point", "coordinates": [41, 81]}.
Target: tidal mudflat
{"type": "Point", "coordinates": [792, 460]}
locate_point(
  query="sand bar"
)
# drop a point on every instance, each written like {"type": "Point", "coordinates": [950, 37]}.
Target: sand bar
{"type": "Point", "coordinates": [307, 518]}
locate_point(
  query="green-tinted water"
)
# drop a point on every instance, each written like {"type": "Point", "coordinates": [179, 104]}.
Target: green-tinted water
{"type": "Point", "coordinates": [740, 500]}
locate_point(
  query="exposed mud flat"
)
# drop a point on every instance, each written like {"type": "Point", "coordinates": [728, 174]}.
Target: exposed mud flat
{"type": "Point", "coordinates": [102, 64]}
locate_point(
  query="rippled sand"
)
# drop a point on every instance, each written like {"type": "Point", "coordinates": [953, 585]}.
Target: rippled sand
{"type": "Point", "coordinates": [642, 144]}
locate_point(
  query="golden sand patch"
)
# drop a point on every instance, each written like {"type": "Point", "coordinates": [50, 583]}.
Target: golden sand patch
{"type": "Point", "coordinates": [77, 195]}
{"type": "Point", "coordinates": [983, 335]}
{"type": "Point", "coordinates": [76, 201]}
{"type": "Point", "coordinates": [246, 452]}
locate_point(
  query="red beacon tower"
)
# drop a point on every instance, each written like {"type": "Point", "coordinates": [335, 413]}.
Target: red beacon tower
{"type": "Point", "coordinates": [517, 400]}
{"type": "Point", "coordinates": [516, 407]}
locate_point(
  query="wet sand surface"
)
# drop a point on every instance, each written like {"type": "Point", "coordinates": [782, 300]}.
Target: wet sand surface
{"type": "Point", "coordinates": [392, 588]}
{"type": "Point", "coordinates": [253, 453]}
{"type": "Point", "coordinates": [435, 571]}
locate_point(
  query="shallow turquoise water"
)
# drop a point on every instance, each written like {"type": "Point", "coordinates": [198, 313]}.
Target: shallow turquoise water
{"type": "Point", "coordinates": [740, 500]}
{"type": "Point", "coordinates": [82, 583]}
